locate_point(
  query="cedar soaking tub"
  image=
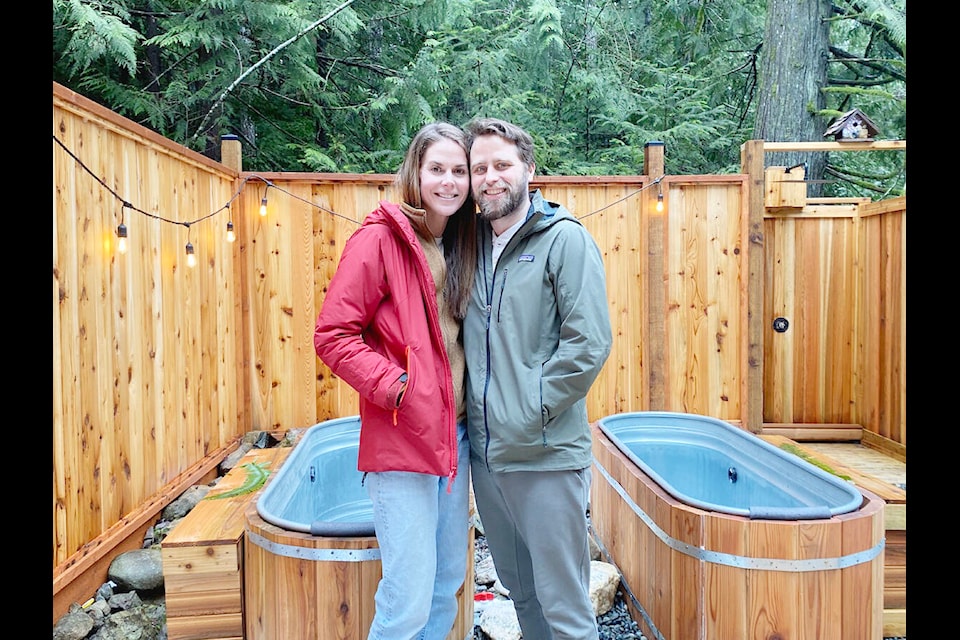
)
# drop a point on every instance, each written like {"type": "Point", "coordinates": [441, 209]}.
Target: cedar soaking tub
{"type": "Point", "coordinates": [311, 558]}
{"type": "Point", "coordinates": [720, 535]}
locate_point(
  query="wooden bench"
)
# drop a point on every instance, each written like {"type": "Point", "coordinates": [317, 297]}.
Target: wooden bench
{"type": "Point", "coordinates": [203, 559]}
{"type": "Point", "coordinates": [895, 532]}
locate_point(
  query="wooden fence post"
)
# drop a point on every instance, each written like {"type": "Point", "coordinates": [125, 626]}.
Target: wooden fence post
{"type": "Point", "coordinates": [654, 333]}
{"type": "Point", "coordinates": [231, 152]}
{"type": "Point", "coordinates": [751, 161]}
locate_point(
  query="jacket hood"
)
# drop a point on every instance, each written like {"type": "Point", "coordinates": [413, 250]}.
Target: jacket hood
{"type": "Point", "coordinates": [544, 212]}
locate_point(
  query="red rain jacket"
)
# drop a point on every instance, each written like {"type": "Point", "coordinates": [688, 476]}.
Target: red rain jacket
{"type": "Point", "coordinates": [378, 320]}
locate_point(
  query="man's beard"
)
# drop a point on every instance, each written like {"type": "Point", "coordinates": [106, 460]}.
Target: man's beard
{"type": "Point", "coordinates": [504, 206]}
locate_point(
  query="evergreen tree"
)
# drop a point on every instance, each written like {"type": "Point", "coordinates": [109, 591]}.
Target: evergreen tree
{"type": "Point", "coordinates": [342, 85]}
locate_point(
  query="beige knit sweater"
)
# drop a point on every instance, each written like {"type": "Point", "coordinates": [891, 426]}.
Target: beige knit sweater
{"type": "Point", "coordinates": [449, 325]}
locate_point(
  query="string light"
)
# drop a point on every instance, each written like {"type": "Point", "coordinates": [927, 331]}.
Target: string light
{"type": "Point", "coordinates": [122, 238]}
{"type": "Point", "coordinates": [122, 232]}
{"type": "Point", "coordinates": [191, 256]}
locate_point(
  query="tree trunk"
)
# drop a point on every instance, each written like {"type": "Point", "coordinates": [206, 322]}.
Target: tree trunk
{"type": "Point", "coordinates": [793, 72]}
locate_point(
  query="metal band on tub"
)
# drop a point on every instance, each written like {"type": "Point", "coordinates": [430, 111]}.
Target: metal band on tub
{"type": "Point", "coordinates": [763, 564]}
{"type": "Point", "coordinates": [319, 555]}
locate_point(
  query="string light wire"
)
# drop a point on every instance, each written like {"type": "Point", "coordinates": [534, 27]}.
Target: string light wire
{"type": "Point", "coordinates": [122, 230]}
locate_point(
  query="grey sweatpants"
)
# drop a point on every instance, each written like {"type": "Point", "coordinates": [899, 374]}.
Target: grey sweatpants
{"type": "Point", "coordinates": [535, 524]}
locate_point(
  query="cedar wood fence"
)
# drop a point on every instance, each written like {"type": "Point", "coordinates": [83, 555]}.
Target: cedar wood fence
{"type": "Point", "coordinates": [159, 369]}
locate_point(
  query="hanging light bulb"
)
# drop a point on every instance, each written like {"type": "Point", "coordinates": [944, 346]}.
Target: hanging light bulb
{"type": "Point", "coordinates": [191, 256]}
{"type": "Point", "coordinates": [231, 236]}
{"type": "Point", "coordinates": [122, 238]}
{"type": "Point", "coordinates": [660, 202]}
{"type": "Point", "coordinates": [263, 205]}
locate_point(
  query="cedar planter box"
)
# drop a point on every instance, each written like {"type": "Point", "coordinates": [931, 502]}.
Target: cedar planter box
{"type": "Point", "coordinates": [203, 559]}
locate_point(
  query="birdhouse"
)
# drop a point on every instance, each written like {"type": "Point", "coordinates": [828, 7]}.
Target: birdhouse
{"type": "Point", "coordinates": [852, 126]}
{"type": "Point", "coordinates": [785, 189]}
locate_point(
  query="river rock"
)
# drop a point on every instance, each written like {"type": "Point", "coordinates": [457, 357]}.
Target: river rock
{"type": "Point", "coordinates": [137, 570]}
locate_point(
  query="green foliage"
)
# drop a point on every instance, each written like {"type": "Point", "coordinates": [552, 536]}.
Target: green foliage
{"type": "Point", "coordinates": [547, 30]}
{"type": "Point", "coordinates": [89, 33]}
{"type": "Point", "coordinates": [594, 81]}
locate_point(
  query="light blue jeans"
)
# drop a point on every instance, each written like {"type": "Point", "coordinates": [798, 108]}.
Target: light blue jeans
{"type": "Point", "coordinates": [422, 535]}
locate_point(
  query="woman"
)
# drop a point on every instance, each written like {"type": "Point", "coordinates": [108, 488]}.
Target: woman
{"type": "Point", "coordinates": [390, 327]}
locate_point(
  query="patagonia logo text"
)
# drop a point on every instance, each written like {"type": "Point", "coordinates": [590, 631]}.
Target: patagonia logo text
{"type": "Point", "coordinates": [525, 257]}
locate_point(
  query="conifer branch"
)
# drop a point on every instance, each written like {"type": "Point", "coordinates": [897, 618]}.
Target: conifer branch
{"type": "Point", "coordinates": [261, 62]}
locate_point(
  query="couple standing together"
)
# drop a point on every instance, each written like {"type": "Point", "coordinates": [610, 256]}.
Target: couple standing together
{"type": "Point", "coordinates": [472, 340]}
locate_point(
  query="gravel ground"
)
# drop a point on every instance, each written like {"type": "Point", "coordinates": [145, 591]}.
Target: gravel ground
{"type": "Point", "coordinates": [615, 624]}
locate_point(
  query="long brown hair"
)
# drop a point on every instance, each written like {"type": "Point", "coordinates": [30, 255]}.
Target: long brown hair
{"type": "Point", "coordinates": [460, 234]}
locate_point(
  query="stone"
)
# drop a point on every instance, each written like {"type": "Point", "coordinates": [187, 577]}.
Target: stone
{"type": "Point", "coordinates": [137, 570]}
{"type": "Point", "coordinates": [499, 620]}
{"type": "Point", "coordinates": [187, 501]}
{"type": "Point", "coordinates": [147, 622]}
{"type": "Point", "coordinates": [604, 582]}
{"type": "Point", "coordinates": [73, 625]}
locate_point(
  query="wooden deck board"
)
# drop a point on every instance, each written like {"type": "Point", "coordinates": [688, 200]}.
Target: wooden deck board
{"type": "Point", "coordinates": [865, 460]}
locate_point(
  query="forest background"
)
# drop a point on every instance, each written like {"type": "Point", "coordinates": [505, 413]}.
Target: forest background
{"type": "Point", "coordinates": [342, 85]}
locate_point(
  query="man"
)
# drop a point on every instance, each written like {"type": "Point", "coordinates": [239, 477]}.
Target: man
{"type": "Point", "coordinates": [536, 334]}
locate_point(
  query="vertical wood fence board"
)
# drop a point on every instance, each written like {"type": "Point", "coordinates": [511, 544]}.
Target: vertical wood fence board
{"type": "Point", "coordinates": [108, 325]}
{"type": "Point", "coordinates": [808, 311]}
{"type": "Point", "coordinates": [624, 223]}
{"type": "Point", "coordinates": [223, 420]}
{"type": "Point", "coordinates": [329, 235]}
{"type": "Point", "coordinates": [203, 428]}
{"type": "Point", "coordinates": [128, 321]}
{"type": "Point", "coordinates": [890, 267]}
{"type": "Point", "coordinates": [778, 347]}
{"type": "Point", "coordinates": [170, 366]}
{"type": "Point", "coordinates": [144, 260]}
{"type": "Point", "coordinates": [870, 321]}
{"type": "Point", "coordinates": [730, 324]}
{"type": "Point", "coordinates": [896, 425]}
{"type": "Point", "coordinates": [303, 311]}
{"type": "Point", "coordinates": [681, 309]}
{"type": "Point", "coordinates": [262, 263]}
{"type": "Point", "coordinates": [91, 385]}
{"type": "Point", "coordinates": [69, 532]}
{"type": "Point", "coordinates": [282, 354]}
{"type": "Point", "coordinates": [839, 328]}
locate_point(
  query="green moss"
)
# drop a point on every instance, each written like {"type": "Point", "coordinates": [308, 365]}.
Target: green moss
{"type": "Point", "coordinates": [256, 477]}
{"type": "Point", "coordinates": [789, 448]}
